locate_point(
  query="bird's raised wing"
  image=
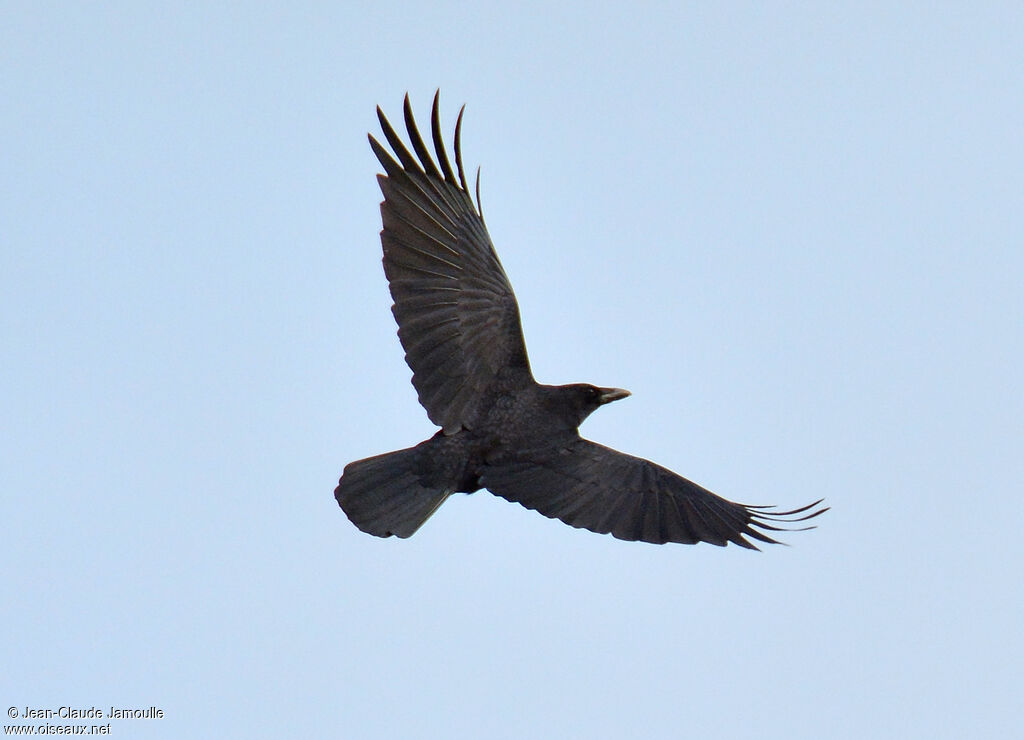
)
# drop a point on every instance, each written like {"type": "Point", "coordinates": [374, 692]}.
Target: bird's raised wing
{"type": "Point", "coordinates": [458, 319]}
{"type": "Point", "coordinates": [593, 487]}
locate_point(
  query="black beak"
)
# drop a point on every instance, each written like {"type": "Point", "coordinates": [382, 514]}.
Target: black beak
{"type": "Point", "coordinates": [611, 394]}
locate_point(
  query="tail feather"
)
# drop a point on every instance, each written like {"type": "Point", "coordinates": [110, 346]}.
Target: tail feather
{"type": "Point", "coordinates": [384, 495]}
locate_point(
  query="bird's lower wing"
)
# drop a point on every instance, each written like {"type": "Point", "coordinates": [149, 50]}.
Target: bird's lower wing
{"type": "Point", "coordinates": [594, 487]}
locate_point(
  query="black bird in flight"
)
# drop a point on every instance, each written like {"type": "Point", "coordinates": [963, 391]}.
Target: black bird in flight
{"type": "Point", "coordinates": [458, 321]}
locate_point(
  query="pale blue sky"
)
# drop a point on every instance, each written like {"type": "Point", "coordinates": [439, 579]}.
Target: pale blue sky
{"type": "Point", "coordinates": [794, 230]}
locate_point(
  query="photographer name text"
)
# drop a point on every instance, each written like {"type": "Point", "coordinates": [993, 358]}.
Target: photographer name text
{"type": "Point", "coordinates": [89, 713]}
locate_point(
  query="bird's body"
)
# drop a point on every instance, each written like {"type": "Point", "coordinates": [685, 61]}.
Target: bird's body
{"type": "Point", "coordinates": [500, 429]}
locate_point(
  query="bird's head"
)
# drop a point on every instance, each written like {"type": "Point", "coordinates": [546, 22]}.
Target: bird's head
{"type": "Point", "coordinates": [584, 399]}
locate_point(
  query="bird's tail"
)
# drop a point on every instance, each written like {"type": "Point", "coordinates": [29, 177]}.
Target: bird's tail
{"type": "Point", "coordinates": [384, 495]}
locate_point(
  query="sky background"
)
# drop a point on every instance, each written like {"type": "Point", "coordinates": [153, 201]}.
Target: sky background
{"type": "Point", "coordinates": [795, 231]}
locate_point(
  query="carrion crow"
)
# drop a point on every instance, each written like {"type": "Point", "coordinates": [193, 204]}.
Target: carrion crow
{"type": "Point", "coordinates": [458, 322]}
